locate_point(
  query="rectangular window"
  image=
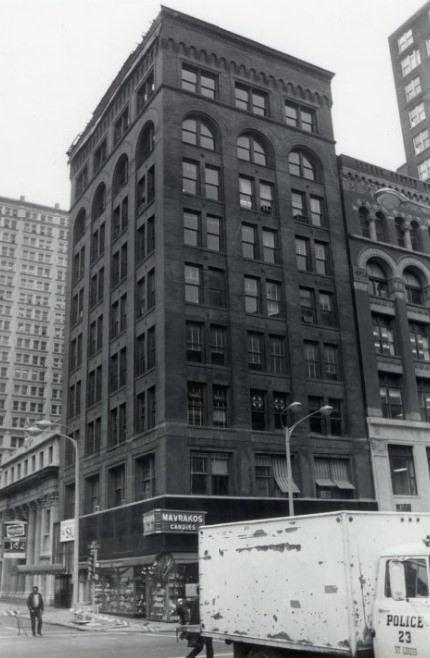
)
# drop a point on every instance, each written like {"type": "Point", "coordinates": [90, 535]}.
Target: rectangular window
{"type": "Point", "coordinates": [92, 494]}
{"type": "Point", "coordinates": [210, 474]}
{"type": "Point", "coordinates": [383, 335]}
{"type": "Point", "coordinates": [417, 114]}
{"type": "Point", "coordinates": [331, 362]}
{"type": "Point", "coordinates": [307, 305]}
{"type": "Point", "coordinates": [190, 177]}
{"type": "Point", "coordinates": [413, 88]}
{"type": "Point", "coordinates": [271, 476]}
{"type": "Point", "coordinates": [273, 298]}
{"type": "Point", "coordinates": [144, 479]}
{"type": "Point", "coordinates": [252, 295]}
{"type": "Point", "coordinates": [219, 406]}
{"type": "Point", "coordinates": [423, 386]}
{"type": "Point", "coordinates": [145, 92]}
{"type": "Point", "coordinates": [402, 470]}
{"type": "Point", "coordinates": [216, 287]}
{"type": "Point", "coordinates": [195, 342]}
{"type": "Point", "coordinates": [116, 486]}
{"type": "Point", "coordinates": [312, 360]}
{"type": "Point", "coordinates": [391, 396]}
{"type": "Point", "coordinates": [217, 347]}
{"type": "Point", "coordinates": [195, 404]}
{"type": "Point", "coordinates": [277, 356]}
{"type": "Point", "coordinates": [317, 211]}
{"type": "Point", "coordinates": [421, 141]}
{"type": "Point", "coordinates": [424, 169]}
{"type": "Point", "coordinates": [326, 309]}
{"type": "Point", "coordinates": [321, 258]}
{"type": "Point", "coordinates": [301, 117]}
{"type": "Point", "coordinates": [255, 351]}
{"type": "Point", "coordinates": [249, 241]}
{"type": "Point", "coordinates": [302, 254]}
{"type": "Point", "coordinates": [214, 233]}
{"type": "Point", "coordinates": [212, 183]}
{"type": "Point", "coordinates": [251, 100]}
{"type": "Point", "coordinates": [419, 338]}
{"type": "Point", "coordinates": [193, 292]}
{"type": "Point", "coordinates": [410, 62]}
{"type": "Point", "coordinates": [258, 410]}
{"type": "Point", "coordinates": [405, 40]}
{"type": "Point", "coordinates": [121, 126]}
{"type": "Point", "coordinates": [269, 246]}
{"type": "Point", "coordinates": [246, 193]}
{"type": "Point", "coordinates": [198, 81]}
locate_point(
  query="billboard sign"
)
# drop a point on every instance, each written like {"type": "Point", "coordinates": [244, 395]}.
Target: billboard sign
{"type": "Point", "coordinates": [67, 530]}
{"type": "Point", "coordinates": [14, 539]}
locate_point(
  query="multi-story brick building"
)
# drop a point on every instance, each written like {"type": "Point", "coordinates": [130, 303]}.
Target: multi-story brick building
{"type": "Point", "coordinates": [209, 290]}
{"type": "Point", "coordinates": [390, 260]}
{"type": "Point", "coordinates": [410, 52]}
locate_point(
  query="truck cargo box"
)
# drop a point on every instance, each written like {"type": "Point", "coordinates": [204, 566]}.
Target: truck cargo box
{"type": "Point", "coordinates": [304, 582]}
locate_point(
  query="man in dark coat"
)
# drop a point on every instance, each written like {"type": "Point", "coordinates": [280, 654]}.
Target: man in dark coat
{"type": "Point", "coordinates": [195, 640]}
{"type": "Point", "coordinates": [35, 607]}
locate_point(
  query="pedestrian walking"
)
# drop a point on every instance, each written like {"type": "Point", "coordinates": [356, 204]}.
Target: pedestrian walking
{"type": "Point", "coordinates": [35, 607]}
{"type": "Point", "coordinates": [195, 640]}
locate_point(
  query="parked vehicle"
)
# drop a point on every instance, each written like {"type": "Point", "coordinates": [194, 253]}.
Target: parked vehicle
{"type": "Point", "coordinates": [339, 584]}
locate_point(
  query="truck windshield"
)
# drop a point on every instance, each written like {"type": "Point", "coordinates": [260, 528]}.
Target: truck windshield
{"type": "Point", "coordinates": [416, 578]}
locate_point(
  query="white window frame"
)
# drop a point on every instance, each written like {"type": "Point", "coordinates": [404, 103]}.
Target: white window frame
{"type": "Point", "coordinates": [417, 114]}
{"type": "Point", "coordinates": [410, 62]}
{"type": "Point", "coordinates": [405, 40]}
{"type": "Point", "coordinates": [413, 88]}
{"type": "Point", "coordinates": [424, 169]}
{"type": "Point", "coordinates": [421, 141]}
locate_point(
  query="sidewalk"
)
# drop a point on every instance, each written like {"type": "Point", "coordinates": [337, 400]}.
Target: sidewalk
{"type": "Point", "coordinates": [65, 617]}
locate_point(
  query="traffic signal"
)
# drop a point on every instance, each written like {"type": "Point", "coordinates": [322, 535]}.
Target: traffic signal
{"type": "Point", "coordinates": [90, 563]}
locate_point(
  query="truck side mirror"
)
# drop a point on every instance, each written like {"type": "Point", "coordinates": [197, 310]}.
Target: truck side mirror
{"type": "Point", "coordinates": [397, 580]}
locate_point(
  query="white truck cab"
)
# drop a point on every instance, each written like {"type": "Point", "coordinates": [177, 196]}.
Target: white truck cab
{"type": "Point", "coordinates": [401, 612]}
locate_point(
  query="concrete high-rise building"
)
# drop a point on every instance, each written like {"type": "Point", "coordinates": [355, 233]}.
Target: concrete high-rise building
{"type": "Point", "coordinates": [33, 270]}
{"type": "Point", "coordinates": [410, 57]}
{"type": "Point", "coordinates": [209, 289]}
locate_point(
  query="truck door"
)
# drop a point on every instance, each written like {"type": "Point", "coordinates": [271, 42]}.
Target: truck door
{"type": "Point", "coordinates": [401, 617]}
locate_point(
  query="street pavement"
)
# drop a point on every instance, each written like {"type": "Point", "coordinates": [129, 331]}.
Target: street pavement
{"type": "Point", "coordinates": [17, 613]}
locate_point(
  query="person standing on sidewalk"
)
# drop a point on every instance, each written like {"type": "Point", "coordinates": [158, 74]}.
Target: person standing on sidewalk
{"type": "Point", "coordinates": [35, 607]}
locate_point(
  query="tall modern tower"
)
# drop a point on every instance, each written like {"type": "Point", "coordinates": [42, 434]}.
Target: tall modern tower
{"type": "Point", "coordinates": [410, 57]}
{"type": "Point", "coordinates": [209, 290]}
{"type": "Point", "coordinates": [33, 269]}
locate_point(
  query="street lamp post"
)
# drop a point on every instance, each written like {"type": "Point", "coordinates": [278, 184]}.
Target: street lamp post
{"type": "Point", "coordinates": [325, 410]}
{"type": "Point", "coordinates": [39, 427]}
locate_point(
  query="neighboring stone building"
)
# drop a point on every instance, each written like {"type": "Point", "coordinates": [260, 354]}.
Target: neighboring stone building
{"type": "Point", "coordinates": [29, 500]}
{"type": "Point", "coordinates": [390, 260]}
{"type": "Point", "coordinates": [209, 289]}
{"type": "Point", "coordinates": [410, 53]}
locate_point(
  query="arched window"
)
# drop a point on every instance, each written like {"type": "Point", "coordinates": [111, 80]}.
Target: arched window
{"type": "Point", "coordinates": [414, 232]}
{"type": "Point", "coordinates": [413, 287]}
{"type": "Point", "coordinates": [99, 202]}
{"type": "Point", "coordinates": [120, 176]}
{"type": "Point", "coordinates": [250, 148]}
{"type": "Point", "coordinates": [380, 226]}
{"type": "Point", "coordinates": [79, 226]}
{"type": "Point", "coordinates": [400, 231]}
{"type": "Point", "coordinates": [363, 215]}
{"type": "Point", "coordinates": [300, 164]}
{"type": "Point", "coordinates": [198, 132]}
{"type": "Point", "coordinates": [145, 143]}
{"type": "Point", "coordinates": [378, 285]}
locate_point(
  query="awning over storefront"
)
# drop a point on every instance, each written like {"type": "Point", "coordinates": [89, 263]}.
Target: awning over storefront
{"type": "Point", "coordinates": [185, 558]}
{"type": "Point", "coordinates": [281, 476]}
{"type": "Point", "coordinates": [41, 568]}
{"type": "Point", "coordinates": [180, 558]}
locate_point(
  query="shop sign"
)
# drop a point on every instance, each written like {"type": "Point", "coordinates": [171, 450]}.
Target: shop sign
{"type": "Point", "coordinates": [14, 539]}
{"type": "Point", "coordinates": [67, 530]}
{"type": "Point", "coordinates": [164, 520]}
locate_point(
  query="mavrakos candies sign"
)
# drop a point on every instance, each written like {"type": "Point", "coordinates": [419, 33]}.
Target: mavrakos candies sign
{"type": "Point", "coordinates": [174, 521]}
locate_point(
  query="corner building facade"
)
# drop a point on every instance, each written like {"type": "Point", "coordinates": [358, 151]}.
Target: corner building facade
{"type": "Point", "coordinates": [209, 290]}
{"type": "Point", "coordinates": [390, 261]}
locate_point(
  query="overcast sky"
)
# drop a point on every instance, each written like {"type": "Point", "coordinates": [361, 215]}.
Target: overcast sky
{"type": "Point", "coordinates": [57, 58]}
